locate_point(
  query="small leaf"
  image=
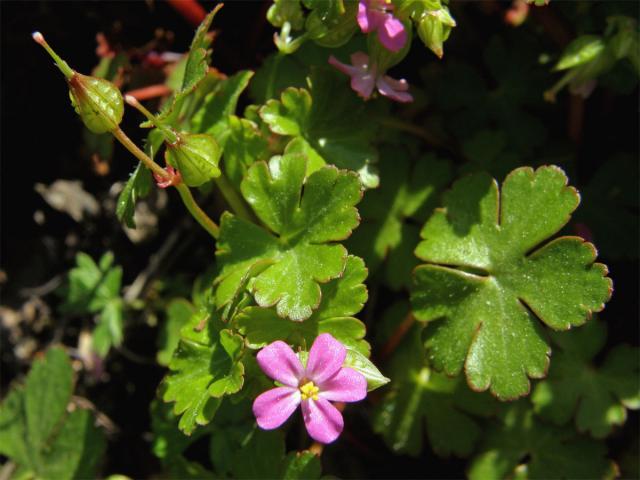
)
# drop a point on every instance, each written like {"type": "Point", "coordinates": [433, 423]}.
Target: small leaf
{"type": "Point", "coordinates": [362, 364]}
{"type": "Point", "coordinates": [138, 186]}
{"type": "Point", "coordinates": [303, 253]}
{"type": "Point", "coordinates": [421, 400]}
{"type": "Point", "coordinates": [301, 466]}
{"type": "Point", "coordinates": [204, 367]}
{"type": "Point", "coordinates": [548, 452]}
{"type": "Point", "coordinates": [321, 121]}
{"type": "Point", "coordinates": [341, 298]}
{"type": "Point", "coordinates": [597, 397]}
{"type": "Point", "coordinates": [179, 311]}
{"type": "Point", "coordinates": [109, 331]}
{"type": "Point", "coordinates": [92, 286]}
{"type": "Point", "coordinates": [488, 279]}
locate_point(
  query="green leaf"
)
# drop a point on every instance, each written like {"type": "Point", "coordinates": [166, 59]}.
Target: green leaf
{"type": "Point", "coordinates": [487, 278]}
{"type": "Point", "coordinates": [321, 121]}
{"type": "Point", "coordinates": [195, 71]}
{"type": "Point", "coordinates": [302, 465]}
{"type": "Point", "coordinates": [262, 456]}
{"type": "Point", "coordinates": [109, 331]}
{"type": "Point", "coordinates": [422, 400]}
{"type": "Point", "coordinates": [179, 311]}
{"type": "Point", "coordinates": [549, 452]}
{"type": "Point", "coordinates": [219, 105]}
{"type": "Point", "coordinates": [304, 228]}
{"type": "Point", "coordinates": [582, 50]}
{"type": "Point", "coordinates": [341, 298]}
{"type": "Point", "coordinates": [138, 186]}
{"type": "Point", "coordinates": [407, 193]}
{"type": "Point", "coordinates": [47, 391]}
{"type": "Point", "coordinates": [205, 366]}
{"type": "Point", "coordinates": [38, 433]}
{"type": "Point", "coordinates": [362, 364]}
{"type": "Point", "coordinates": [598, 397]}
{"type": "Point", "coordinates": [244, 145]}
{"type": "Point", "coordinates": [286, 11]}
{"type": "Point", "coordinates": [92, 286]}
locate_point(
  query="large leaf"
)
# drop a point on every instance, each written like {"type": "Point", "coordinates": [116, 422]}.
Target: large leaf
{"type": "Point", "coordinates": [487, 278]}
{"type": "Point", "coordinates": [321, 122]}
{"type": "Point", "coordinates": [205, 366]}
{"type": "Point", "coordinates": [300, 241]}
{"type": "Point", "coordinates": [38, 433]}
{"type": "Point", "coordinates": [598, 397]}
{"type": "Point", "coordinates": [521, 446]}
{"type": "Point", "coordinates": [179, 311]}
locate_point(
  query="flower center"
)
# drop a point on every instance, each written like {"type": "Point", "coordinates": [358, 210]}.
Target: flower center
{"type": "Point", "coordinates": [309, 390]}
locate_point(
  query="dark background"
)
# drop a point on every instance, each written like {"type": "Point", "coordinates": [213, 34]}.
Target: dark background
{"type": "Point", "coordinates": [41, 141]}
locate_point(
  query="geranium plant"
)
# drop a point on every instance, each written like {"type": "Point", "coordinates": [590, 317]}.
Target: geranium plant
{"type": "Point", "coordinates": [396, 249]}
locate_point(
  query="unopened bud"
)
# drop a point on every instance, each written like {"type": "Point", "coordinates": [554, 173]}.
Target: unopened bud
{"type": "Point", "coordinates": [434, 28]}
{"type": "Point", "coordinates": [196, 157]}
{"type": "Point", "coordinates": [97, 101]}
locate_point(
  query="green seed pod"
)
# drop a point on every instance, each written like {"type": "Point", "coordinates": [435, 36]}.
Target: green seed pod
{"type": "Point", "coordinates": [98, 101]}
{"type": "Point", "coordinates": [196, 157]}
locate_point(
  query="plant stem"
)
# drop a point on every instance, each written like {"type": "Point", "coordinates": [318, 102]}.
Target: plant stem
{"type": "Point", "coordinates": [197, 213]}
{"type": "Point", "coordinates": [185, 194]}
{"type": "Point", "coordinates": [233, 199]}
{"type": "Point", "coordinates": [139, 154]}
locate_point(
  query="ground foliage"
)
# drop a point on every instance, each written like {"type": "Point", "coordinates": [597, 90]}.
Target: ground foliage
{"type": "Point", "coordinates": [449, 243]}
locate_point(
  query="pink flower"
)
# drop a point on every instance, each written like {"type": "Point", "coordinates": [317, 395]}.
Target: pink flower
{"type": "Point", "coordinates": [365, 76]}
{"type": "Point", "coordinates": [324, 380]}
{"type": "Point", "coordinates": [375, 15]}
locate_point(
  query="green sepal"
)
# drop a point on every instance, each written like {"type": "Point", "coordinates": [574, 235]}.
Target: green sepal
{"type": "Point", "coordinates": [196, 157]}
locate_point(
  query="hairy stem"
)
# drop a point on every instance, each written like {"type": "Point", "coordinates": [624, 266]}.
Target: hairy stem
{"type": "Point", "coordinates": [185, 194]}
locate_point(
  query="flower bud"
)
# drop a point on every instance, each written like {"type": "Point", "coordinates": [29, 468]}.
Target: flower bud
{"type": "Point", "coordinates": [195, 156]}
{"type": "Point", "coordinates": [98, 101]}
{"type": "Point", "coordinates": [434, 28]}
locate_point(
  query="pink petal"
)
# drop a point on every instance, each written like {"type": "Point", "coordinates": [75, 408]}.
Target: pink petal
{"type": "Point", "coordinates": [363, 17]}
{"type": "Point", "coordinates": [343, 67]}
{"type": "Point", "coordinates": [360, 61]}
{"type": "Point", "coordinates": [279, 362]}
{"type": "Point", "coordinates": [273, 407]}
{"type": "Point", "coordinates": [392, 34]}
{"type": "Point", "coordinates": [347, 385]}
{"type": "Point", "coordinates": [325, 358]}
{"type": "Point", "coordinates": [394, 89]}
{"type": "Point", "coordinates": [363, 85]}
{"type": "Point", "coordinates": [323, 421]}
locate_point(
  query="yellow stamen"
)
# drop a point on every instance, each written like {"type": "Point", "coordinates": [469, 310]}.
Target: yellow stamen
{"type": "Point", "coordinates": [309, 390]}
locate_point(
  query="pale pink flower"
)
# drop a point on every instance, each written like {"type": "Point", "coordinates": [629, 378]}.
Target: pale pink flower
{"type": "Point", "coordinates": [324, 380]}
{"type": "Point", "coordinates": [364, 76]}
{"type": "Point", "coordinates": [375, 15]}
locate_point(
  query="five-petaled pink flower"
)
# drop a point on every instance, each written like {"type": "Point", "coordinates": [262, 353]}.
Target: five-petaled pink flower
{"type": "Point", "coordinates": [324, 380]}
{"type": "Point", "coordinates": [376, 15]}
{"type": "Point", "coordinates": [364, 76]}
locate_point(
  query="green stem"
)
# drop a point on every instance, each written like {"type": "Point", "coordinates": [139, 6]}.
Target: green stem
{"type": "Point", "coordinates": [185, 194]}
{"type": "Point", "coordinates": [139, 154]}
{"type": "Point", "coordinates": [197, 213]}
{"type": "Point", "coordinates": [233, 199]}
{"type": "Point", "coordinates": [62, 65]}
{"type": "Point", "coordinates": [169, 134]}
